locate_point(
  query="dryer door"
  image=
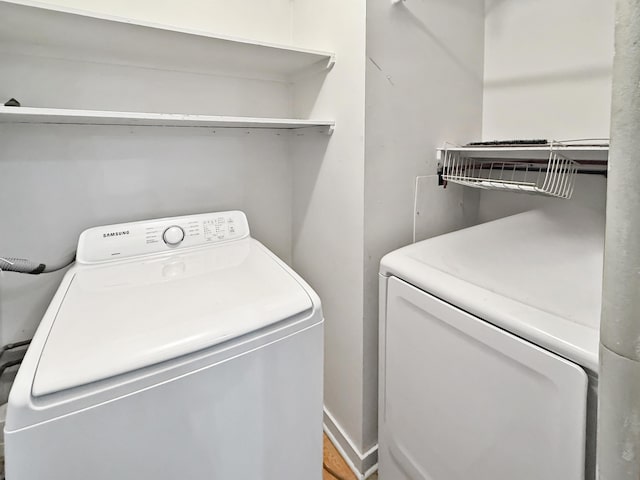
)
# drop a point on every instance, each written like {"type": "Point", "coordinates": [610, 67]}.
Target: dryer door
{"type": "Point", "coordinates": [466, 400]}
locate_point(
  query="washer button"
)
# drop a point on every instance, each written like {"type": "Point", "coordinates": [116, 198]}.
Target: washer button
{"type": "Point", "coordinates": [173, 235]}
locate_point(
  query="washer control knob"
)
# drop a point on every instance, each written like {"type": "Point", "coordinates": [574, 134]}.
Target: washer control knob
{"type": "Point", "coordinates": [173, 235]}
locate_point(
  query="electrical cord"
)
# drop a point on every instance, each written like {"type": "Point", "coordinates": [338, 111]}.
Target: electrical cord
{"type": "Point", "coordinates": [22, 265]}
{"type": "Point", "coordinates": [14, 345]}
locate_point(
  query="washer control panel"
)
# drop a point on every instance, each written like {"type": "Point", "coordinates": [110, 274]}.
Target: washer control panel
{"type": "Point", "coordinates": [173, 235]}
{"type": "Point", "coordinates": [112, 242]}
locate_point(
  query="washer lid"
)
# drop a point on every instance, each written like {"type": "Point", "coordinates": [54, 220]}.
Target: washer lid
{"type": "Point", "coordinates": [122, 317]}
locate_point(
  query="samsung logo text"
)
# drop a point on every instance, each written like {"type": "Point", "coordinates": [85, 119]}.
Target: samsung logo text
{"type": "Point", "coordinates": [115, 234]}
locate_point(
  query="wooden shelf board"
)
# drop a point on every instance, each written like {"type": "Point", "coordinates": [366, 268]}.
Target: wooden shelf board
{"type": "Point", "coordinates": [98, 117]}
{"type": "Point", "coordinates": [33, 28]}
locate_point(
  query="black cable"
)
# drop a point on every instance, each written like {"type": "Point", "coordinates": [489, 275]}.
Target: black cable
{"type": "Point", "coordinates": [13, 346]}
{"type": "Point", "coordinates": [5, 365]}
{"type": "Point", "coordinates": [22, 265]}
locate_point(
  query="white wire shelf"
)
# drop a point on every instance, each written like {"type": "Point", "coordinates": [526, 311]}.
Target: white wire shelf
{"type": "Point", "coordinates": [100, 117]}
{"type": "Point", "coordinates": [548, 169]}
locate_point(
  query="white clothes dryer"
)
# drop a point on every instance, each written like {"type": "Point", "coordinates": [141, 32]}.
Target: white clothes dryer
{"type": "Point", "coordinates": [489, 351]}
{"type": "Point", "coordinates": [178, 348]}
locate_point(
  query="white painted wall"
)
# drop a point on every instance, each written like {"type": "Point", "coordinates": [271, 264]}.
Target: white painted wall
{"type": "Point", "coordinates": [69, 83]}
{"type": "Point", "coordinates": [423, 87]}
{"type": "Point", "coordinates": [304, 198]}
{"type": "Point", "coordinates": [59, 180]}
{"type": "Point", "coordinates": [263, 20]}
{"type": "Point", "coordinates": [328, 200]}
{"type": "Point", "coordinates": [547, 69]}
{"type": "Point", "coordinates": [547, 75]}
{"type": "Point", "coordinates": [590, 191]}
{"type": "Point", "coordinates": [65, 179]}
{"type": "Point", "coordinates": [340, 203]}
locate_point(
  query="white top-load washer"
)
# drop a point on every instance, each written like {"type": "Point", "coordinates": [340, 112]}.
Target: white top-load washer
{"type": "Point", "coordinates": [174, 348]}
{"type": "Point", "coordinates": [489, 350]}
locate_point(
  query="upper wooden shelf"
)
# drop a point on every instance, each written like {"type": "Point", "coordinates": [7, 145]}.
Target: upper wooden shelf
{"type": "Point", "coordinates": [99, 117]}
{"type": "Point", "coordinates": [37, 29]}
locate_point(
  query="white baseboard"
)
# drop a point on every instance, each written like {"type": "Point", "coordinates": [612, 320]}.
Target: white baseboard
{"type": "Point", "coordinates": [364, 464]}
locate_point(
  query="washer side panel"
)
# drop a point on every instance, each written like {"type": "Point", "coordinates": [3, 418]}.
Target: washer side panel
{"type": "Point", "coordinates": [258, 415]}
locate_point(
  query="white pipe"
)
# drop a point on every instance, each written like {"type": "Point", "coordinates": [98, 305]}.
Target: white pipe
{"type": "Point", "coordinates": [619, 384]}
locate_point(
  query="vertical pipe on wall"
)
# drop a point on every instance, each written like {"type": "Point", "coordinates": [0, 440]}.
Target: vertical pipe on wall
{"type": "Point", "coordinates": [619, 390]}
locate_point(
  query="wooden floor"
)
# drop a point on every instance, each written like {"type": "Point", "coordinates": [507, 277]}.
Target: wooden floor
{"type": "Point", "coordinates": [336, 463]}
